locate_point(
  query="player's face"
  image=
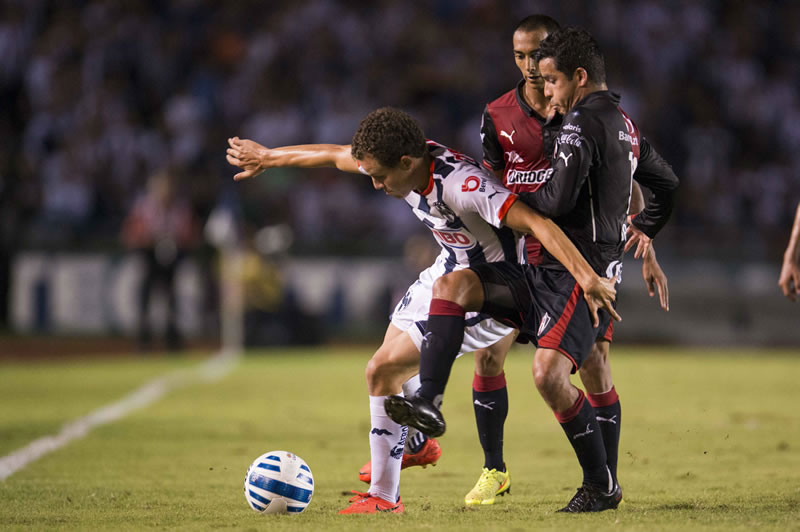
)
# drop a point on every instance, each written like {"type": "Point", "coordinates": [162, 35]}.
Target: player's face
{"type": "Point", "coordinates": [525, 45]}
{"type": "Point", "coordinates": [561, 90]}
{"type": "Point", "coordinates": [398, 181]}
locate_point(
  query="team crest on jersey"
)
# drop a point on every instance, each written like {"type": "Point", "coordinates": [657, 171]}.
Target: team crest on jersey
{"type": "Point", "coordinates": [445, 211]}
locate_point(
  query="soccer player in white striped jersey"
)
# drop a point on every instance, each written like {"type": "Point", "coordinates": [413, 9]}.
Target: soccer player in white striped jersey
{"type": "Point", "coordinates": [473, 217]}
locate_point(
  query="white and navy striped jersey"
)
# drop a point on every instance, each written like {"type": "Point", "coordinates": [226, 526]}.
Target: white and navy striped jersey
{"type": "Point", "coordinates": [463, 206]}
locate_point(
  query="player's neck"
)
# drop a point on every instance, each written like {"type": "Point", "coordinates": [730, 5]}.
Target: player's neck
{"type": "Point", "coordinates": [583, 92]}
{"type": "Point", "coordinates": [423, 173]}
{"type": "Point", "coordinates": [536, 100]}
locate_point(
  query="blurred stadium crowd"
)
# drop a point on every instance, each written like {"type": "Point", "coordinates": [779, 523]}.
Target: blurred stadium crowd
{"type": "Point", "coordinates": [98, 95]}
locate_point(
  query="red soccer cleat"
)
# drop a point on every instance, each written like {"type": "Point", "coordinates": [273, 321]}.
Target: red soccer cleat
{"type": "Point", "coordinates": [364, 503]}
{"type": "Point", "coordinates": [428, 455]}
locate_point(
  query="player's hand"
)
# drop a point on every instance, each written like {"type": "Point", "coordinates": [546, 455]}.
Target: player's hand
{"type": "Point", "coordinates": [654, 279]}
{"type": "Point", "coordinates": [789, 280]}
{"type": "Point", "coordinates": [639, 239]}
{"type": "Point", "coordinates": [601, 294]}
{"type": "Point", "coordinates": [247, 155]}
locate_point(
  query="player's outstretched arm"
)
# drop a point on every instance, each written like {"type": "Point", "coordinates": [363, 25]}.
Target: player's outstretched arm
{"type": "Point", "coordinates": [253, 158]}
{"type": "Point", "coordinates": [655, 279]}
{"type": "Point", "coordinates": [598, 292]}
{"type": "Point", "coordinates": [789, 280]}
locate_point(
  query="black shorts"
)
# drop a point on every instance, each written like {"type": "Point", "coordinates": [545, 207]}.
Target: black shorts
{"type": "Point", "coordinates": [547, 306]}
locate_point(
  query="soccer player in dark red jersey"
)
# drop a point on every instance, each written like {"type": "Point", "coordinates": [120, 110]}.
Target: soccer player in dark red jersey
{"type": "Point", "coordinates": [518, 131]}
{"type": "Point", "coordinates": [597, 153]}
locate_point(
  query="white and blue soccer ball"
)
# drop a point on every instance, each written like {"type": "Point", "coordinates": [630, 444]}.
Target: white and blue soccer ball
{"type": "Point", "coordinates": [278, 482]}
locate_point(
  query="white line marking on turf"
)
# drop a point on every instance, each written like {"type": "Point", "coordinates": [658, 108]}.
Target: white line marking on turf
{"type": "Point", "coordinates": [214, 368]}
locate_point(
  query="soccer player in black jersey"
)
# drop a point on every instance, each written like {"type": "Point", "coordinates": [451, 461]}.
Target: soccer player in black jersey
{"type": "Point", "coordinates": [518, 131]}
{"type": "Point", "coordinates": [598, 149]}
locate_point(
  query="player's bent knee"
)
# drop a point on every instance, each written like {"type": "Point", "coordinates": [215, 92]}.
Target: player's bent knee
{"type": "Point", "coordinates": [391, 367]}
{"type": "Point", "coordinates": [489, 363]}
{"type": "Point", "coordinates": [549, 372]}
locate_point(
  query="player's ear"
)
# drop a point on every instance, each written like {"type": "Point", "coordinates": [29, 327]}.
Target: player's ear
{"type": "Point", "coordinates": [582, 76]}
{"type": "Point", "coordinates": [406, 162]}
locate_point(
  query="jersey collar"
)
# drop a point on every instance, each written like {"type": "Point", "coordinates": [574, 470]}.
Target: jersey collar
{"type": "Point", "coordinates": [527, 109]}
{"type": "Point", "coordinates": [429, 188]}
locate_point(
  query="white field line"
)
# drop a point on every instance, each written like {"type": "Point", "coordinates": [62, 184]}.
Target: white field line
{"type": "Point", "coordinates": [214, 368]}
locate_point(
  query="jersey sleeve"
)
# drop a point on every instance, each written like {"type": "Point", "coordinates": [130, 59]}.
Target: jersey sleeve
{"type": "Point", "coordinates": [574, 151]}
{"type": "Point", "coordinates": [492, 151]}
{"type": "Point", "coordinates": [656, 174]}
{"type": "Point", "coordinates": [481, 193]}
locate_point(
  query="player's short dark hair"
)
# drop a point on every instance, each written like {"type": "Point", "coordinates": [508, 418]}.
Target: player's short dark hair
{"type": "Point", "coordinates": [538, 22]}
{"type": "Point", "coordinates": [387, 134]}
{"type": "Point", "coordinates": [572, 47]}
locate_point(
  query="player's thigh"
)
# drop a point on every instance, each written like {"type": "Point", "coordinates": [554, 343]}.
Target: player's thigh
{"type": "Point", "coordinates": [392, 332]}
{"type": "Point", "coordinates": [506, 296]}
{"type": "Point", "coordinates": [463, 287]}
{"type": "Point", "coordinates": [489, 361]}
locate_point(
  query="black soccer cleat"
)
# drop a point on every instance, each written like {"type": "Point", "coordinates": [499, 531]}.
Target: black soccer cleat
{"type": "Point", "coordinates": [416, 412]}
{"type": "Point", "coordinates": [593, 499]}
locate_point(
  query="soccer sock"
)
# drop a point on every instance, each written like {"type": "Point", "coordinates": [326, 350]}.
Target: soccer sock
{"type": "Point", "coordinates": [444, 334]}
{"type": "Point", "coordinates": [580, 425]}
{"type": "Point", "coordinates": [415, 439]}
{"type": "Point", "coordinates": [609, 417]}
{"type": "Point", "coordinates": [490, 401]}
{"type": "Point", "coordinates": [386, 442]}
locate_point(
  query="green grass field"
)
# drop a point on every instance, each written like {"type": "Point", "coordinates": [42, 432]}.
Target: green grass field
{"type": "Point", "coordinates": [711, 441]}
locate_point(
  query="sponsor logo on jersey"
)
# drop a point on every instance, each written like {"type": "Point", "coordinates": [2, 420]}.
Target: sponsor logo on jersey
{"type": "Point", "coordinates": [628, 138]}
{"type": "Point", "coordinates": [565, 157]}
{"type": "Point", "coordinates": [381, 432]}
{"type": "Point", "coordinates": [570, 138]}
{"type": "Point", "coordinates": [454, 239]}
{"type": "Point", "coordinates": [473, 183]}
{"type": "Point", "coordinates": [514, 157]}
{"type": "Point", "coordinates": [572, 127]}
{"type": "Point", "coordinates": [509, 136]}
{"type": "Point", "coordinates": [529, 177]}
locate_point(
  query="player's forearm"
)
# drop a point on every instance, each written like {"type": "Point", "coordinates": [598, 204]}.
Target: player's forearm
{"type": "Point", "coordinates": [792, 253]}
{"type": "Point", "coordinates": [556, 242]}
{"type": "Point", "coordinates": [522, 218]}
{"type": "Point", "coordinates": [309, 156]}
{"type": "Point", "coordinates": [637, 199]}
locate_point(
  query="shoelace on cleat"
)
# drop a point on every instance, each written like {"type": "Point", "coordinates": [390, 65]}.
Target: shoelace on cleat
{"type": "Point", "coordinates": [486, 480]}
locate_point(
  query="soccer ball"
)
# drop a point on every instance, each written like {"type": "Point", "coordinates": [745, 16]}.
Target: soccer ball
{"type": "Point", "coordinates": [278, 482]}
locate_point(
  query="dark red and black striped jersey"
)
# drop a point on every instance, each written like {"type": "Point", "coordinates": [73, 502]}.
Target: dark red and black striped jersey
{"type": "Point", "coordinates": [596, 153]}
{"type": "Point", "coordinates": [518, 142]}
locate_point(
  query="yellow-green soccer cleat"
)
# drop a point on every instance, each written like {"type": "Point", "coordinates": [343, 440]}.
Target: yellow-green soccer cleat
{"type": "Point", "coordinates": [491, 484]}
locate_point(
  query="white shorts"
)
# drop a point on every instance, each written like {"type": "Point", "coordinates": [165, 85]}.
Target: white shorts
{"type": "Point", "coordinates": [411, 314]}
